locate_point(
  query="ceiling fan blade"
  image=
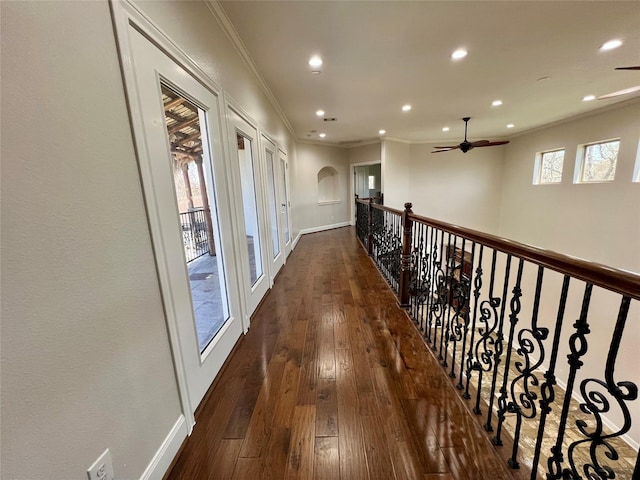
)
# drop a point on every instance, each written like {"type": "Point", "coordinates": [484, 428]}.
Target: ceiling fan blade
{"type": "Point", "coordinates": [446, 149]}
{"type": "Point", "coordinates": [635, 67]}
{"type": "Point", "coordinates": [449, 146]}
{"type": "Point", "coordinates": [480, 143]}
{"type": "Point", "coordinates": [620, 92]}
{"type": "Point", "coordinates": [493, 144]}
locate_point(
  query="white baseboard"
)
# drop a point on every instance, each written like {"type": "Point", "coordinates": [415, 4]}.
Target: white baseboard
{"type": "Point", "coordinates": [167, 451]}
{"type": "Point", "coordinates": [304, 231]}
{"type": "Point", "coordinates": [295, 242]}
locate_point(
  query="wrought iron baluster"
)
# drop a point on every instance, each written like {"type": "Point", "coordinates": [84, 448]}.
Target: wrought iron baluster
{"type": "Point", "coordinates": [466, 316]}
{"type": "Point", "coordinates": [547, 391]}
{"type": "Point", "coordinates": [443, 292]}
{"type": "Point", "coordinates": [596, 403]}
{"type": "Point", "coordinates": [529, 341]}
{"type": "Point", "coordinates": [458, 299]}
{"type": "Point", "coordinates": [578, 346]}
{"type": "Point", "coordinates": [497, 357]}
{"type": "Point", "coordinates": [451, 269]}
{"type": "Point", "coordinates": [477, 284]}
{"type": "Point", "coordinates": [503, 405]}
{"type": "Point", "coordinates": [488, 317]}
{"type": "Point", "coordinates": [430, 252]}
{"type": "Point", "coordinates": [437, 308]}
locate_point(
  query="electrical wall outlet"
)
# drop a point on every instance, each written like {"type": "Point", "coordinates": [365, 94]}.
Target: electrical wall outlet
{"type": "Point", "coordinates": [102, 468]}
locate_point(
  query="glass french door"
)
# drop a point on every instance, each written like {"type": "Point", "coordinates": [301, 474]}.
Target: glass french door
{"type": "Point", "coordinates": [285, 204]}
{"type": "Point", "coordinates": [252, 240]}
{"type": "Point", "coordinates": [185, 188]}
{"type": "Point", "coordinates": [273, 203]}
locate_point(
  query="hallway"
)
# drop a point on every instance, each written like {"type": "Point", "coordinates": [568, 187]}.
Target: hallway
{"type": "Point", "coordinates": [333, 381]}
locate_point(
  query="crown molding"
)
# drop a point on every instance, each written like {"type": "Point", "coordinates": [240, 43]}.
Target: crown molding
{"type": "Point", "coordinates": [398, 140]}
{"type": "Point", "coordinates": [225, 23]}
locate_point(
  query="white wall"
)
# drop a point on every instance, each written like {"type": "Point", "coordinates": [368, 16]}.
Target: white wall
{"type": "Point", "coordinates": [599, 222]}
{"type": "Point", "coordinates": [396, 164]}
{"type": "Point", "coordinates": [365, 154]}
{"type": "Point", "coordinates": [86, 362]}
{"type": "Point", "coordinates": [307, 214]}
{"type": "Point", "coordinates": [456, 187]}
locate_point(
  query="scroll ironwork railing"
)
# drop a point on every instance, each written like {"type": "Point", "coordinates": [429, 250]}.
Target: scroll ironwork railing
{"type": "Point", "coordinates": [194, 233]}
{"type": "Point", "coordinates": [542, 346]}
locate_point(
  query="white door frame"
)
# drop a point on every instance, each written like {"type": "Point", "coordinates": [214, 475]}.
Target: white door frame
{"type": "Point", "coordinates": [250, 297]}
{"type": "Point", "coordinates": [275, 262]}
{"type": "Point", "coordinates": [286, 200]}
{"type": "Point", "coordinates": [352, 197]}
{"type": "Point", "coordinates": [126, 16]}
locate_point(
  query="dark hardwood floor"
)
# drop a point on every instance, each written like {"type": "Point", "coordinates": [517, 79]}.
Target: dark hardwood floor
{"type": "Point", "coordinates": [334, 382]}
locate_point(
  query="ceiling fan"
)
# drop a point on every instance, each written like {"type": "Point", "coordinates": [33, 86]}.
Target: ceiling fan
{"type": "Point", "coordinates": [466, 145]}
{"type": "Point", "coordinates": [626, 91]}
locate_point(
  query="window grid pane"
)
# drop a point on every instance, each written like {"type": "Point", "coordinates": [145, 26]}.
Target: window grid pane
{"type": "Point", "coordinates": [600, 162]}
{"type": "Point", "coordinates": [551, 166]}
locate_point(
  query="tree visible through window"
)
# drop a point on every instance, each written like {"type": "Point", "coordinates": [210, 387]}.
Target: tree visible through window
{"type": "Point", "coordinates": [599, 163]}
{"type": "Point", "coordinates": [551, 167]}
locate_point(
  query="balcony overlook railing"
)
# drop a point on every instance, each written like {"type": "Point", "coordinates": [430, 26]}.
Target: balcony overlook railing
{"type": "Point", "coordinates": [195, 237]}
{"type": "Point", "coordinates": [540, 344]}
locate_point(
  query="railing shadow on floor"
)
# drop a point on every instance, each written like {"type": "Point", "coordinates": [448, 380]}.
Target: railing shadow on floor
{"type": "Point", "coordinates": [542, 346]}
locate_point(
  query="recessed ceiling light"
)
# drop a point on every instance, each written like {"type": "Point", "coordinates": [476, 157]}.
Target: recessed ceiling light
{"type": "Point", "coordinates": [406, 108]}
{"type": "Point", "coordinates": [458, 54]}
{"type": "Point", "coordinates": [315, 61]}
{"type": "Point", "coordinates": [445, 129]}
{"type": "Point", "coordinates": [511, 125]}
{"type": "Point", "coordinates": [496, 103]}
{"type": "Point", "coordinates": [382, 132]}
{"type": "Point", "coordinates": [319, 113]}
{"type": "Point", "coordinates": [588, 98]}
{"type": "Point", "coordinates": [611, 44]}
{"type": "Point", "coordinates": [322, 135]}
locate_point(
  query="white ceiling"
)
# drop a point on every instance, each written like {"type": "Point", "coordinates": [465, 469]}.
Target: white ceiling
{"type": "Point", "coordinates": [380, 55]}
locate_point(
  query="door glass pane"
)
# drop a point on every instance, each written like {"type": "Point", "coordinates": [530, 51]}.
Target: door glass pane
{"type": "Point", "coordinates": [250, 206]}
{"type": "Point", "coordinates": [195, 196]}
{"type": "Point", "coordinates": [273, 206]}
{"type": "Point", "coordinates": [283, 189]}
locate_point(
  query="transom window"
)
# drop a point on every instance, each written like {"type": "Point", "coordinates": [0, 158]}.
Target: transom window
{"type": "Point", "coordinates": [550, 167]}
{"type": "Point", "coordinates": [599, 161]}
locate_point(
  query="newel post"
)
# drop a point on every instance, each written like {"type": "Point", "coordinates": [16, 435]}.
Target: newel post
{"type": "Point", "coordinates": [370, 228]}
{"type": "Point", "coordinates": [405, 258]}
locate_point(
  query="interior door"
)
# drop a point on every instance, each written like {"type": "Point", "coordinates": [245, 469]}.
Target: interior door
{"type": "Point", "coordinates": [285, 203]}
{"type": "Point", "coordinates": [185, 188]}
{"type": "Point", "coordinates": [252, 225]}
{"type": "Point", "coordinates": [271, 162]}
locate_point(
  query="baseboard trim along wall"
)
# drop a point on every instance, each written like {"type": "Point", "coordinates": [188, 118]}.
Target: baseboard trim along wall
{"type": "Point", "coordinates": [166, 453]}
{"type": "Point", "coordinates": [305, 231]}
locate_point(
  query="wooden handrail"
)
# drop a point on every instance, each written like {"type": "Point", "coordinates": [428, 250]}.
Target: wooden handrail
{"type": "Point", "coordinates": [620, 281]}
{"type": "Point", "coordinates": [380, 207]}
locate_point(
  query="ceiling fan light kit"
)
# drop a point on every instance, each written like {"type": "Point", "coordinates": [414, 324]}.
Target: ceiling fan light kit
{"type": "Point", "coordinates": [466, 145]}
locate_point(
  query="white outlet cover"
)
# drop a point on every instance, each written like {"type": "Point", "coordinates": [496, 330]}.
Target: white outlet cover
{"type": "Point", "coordinates": [102, 468]}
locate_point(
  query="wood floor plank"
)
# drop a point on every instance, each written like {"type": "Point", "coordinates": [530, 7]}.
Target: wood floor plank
{"type": "Point", "coordinates": [302, 443]}
{"type": "Point", "coordinates": [326, 351]}
{"type": "Point", "coordinates": [326, 463]}
{"type": "Point", "coordinates": [327, 409]}
{"type": "Point", "coordinates": [262, 417]}
{"type": "Point", "coordinates": [274, 456]}
{"type": "Point", "coordinates": [353, 462]}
